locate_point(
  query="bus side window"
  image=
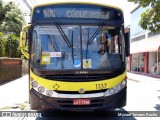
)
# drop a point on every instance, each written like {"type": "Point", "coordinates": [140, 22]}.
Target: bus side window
{"type": "Point", "coordinates": [116, 43]}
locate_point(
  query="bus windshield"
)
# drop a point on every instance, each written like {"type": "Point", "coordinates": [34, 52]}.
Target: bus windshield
{"type": "Point", "coordinates": [91, 47]}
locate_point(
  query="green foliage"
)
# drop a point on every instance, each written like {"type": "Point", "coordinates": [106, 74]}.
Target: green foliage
{"type": "Point", "coordinates": [145, 3]}
{"type": "Point", "coordinates": [13, 20]}
{"type": "Point", "coordinates": [9, 46]}
{"type": "Point", "coordinates": [9, 6]}
{"type": "Point", "coordinates": [2, 44]}
{"type": "Point", "coordinates": [2, 14]}
{"type": "Point", "coordinates": [12, 46]}
{"type": "Point", "coordinates": [150, 19]}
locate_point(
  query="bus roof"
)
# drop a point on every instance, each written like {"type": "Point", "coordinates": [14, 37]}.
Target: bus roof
{"type": "Point", "coordinates": [91, 3]}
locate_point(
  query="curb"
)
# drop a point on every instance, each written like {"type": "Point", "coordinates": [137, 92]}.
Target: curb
{"type": "Point", "coordinates": [141, 78]}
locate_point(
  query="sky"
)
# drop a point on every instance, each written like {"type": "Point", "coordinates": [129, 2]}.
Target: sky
{"type": "Point", "coordinates": [126, 6]}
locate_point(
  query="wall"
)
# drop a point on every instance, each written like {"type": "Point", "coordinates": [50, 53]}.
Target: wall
{"type": "Point", "coordinates": [152, 59]}
{"type": "Point", "coordinates": [136, 30]}
{"type": "Point", "coordinates": [138, 61]}
{"type": "Point", "coordinates": [10, 69]}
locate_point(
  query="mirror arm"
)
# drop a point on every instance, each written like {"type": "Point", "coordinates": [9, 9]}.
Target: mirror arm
{"type": "Point", "coordinates": [25, 53]}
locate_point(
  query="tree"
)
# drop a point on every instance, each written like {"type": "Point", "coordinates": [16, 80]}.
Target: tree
{"type": "Point", "coordinates": [14, 19]}
{"type": "Point", "coordinates": [2, 44]}
{"type": "Point", "coordinates": [12, 46]}
{"type": "Point", "coordinates": [2, 14]}
{"type": "Point", "coordinates": [150, 19]}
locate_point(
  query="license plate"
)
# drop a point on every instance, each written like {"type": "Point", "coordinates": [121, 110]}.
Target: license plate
{"type": "Point", "coordinates": [81, 102]}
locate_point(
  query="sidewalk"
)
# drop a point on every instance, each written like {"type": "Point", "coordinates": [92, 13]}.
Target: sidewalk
{"type": "Point", "coordinates": [142, 77]}
{"type": "Point", "coordinates": [15, 92]}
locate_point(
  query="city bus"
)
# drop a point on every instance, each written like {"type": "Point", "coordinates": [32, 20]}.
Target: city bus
{"type": "Point", "coordinates": [77, 56]}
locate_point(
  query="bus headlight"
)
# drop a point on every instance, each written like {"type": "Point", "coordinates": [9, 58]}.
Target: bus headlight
{"type": "Point", "coordinates": [41, 89]}
{"type": "Point", "coordinates": [111, 91]}
{"type": "Point", "coordinates": [116, 89]}
{"type": "Point", "coordinates": [34, 84]}
{"type": "Point", "coordinates": [49, 92]}
{"type": "Point", "coordinates": [123, 82]}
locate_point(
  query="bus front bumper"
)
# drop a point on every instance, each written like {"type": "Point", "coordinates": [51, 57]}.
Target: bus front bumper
{"type": "Point", "coordinates": [42, 102]}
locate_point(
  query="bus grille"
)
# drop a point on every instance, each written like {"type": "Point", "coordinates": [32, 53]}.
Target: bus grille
{"type": "Point", "coordinates": [78, 78]}
{"type": "Point", "coordinates": [76, 92]}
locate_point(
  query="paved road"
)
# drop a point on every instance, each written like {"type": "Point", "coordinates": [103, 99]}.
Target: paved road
{"type": "Point", "coordinates": [143, 96]}
{"type": "Point", "coordinates": [14, 92]}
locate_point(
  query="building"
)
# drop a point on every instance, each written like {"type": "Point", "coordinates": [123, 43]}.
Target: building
{"type": "Point", "coordinates": [144, 46]}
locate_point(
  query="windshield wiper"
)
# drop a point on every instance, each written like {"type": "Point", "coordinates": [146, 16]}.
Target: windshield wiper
{"type": "Point", "coordinates": [72, 47]}
{"type": "Point", "coordinates": [87, 45]}
{"type": "Point", "coordinates": [62, 32]}
{"type": "Point", "coordinates": [63, 35]}
{"type": "Point", "coordinates": [95, 34]}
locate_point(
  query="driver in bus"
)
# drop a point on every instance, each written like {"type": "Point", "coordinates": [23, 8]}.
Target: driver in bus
{"type": "Point", "coordinates": [104, 44]}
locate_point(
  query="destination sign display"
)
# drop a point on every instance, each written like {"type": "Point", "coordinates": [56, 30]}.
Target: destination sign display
{"type": "Point", "coordinates": [76, 11]}
{"type": "Point", "coordinates": [73, 13]}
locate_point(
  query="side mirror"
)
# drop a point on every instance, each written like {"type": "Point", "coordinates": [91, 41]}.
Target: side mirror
{"type": "Point", "coordinates": [127, 44]}
{"type": "Point", "coordinates": [23, 40]}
